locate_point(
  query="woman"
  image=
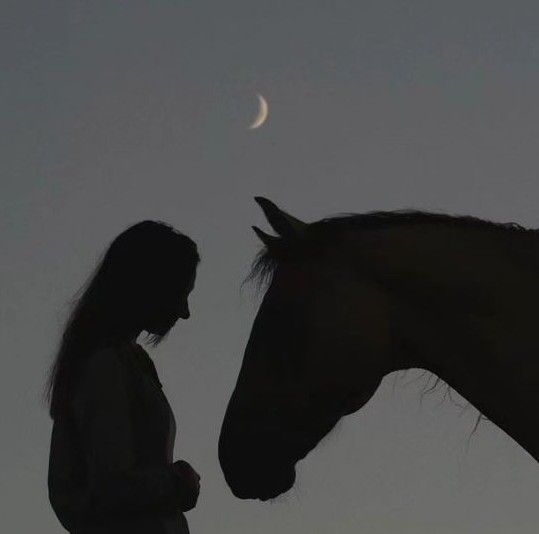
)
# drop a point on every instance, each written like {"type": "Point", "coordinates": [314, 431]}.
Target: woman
{"type": "Point", "coordinates": [111, 468]}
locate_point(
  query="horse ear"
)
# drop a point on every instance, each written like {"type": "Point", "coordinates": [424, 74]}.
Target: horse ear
{"type": "Point", "coordinates": [283, 223]}
{"type": "Point", "coordinates": [268, 240]}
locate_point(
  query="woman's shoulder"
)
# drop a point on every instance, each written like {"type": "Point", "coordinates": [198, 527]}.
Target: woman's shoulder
{"type": "Point", "coordinates": [106, 357]}
{"type": "Point", "coordinates": [103, 368]}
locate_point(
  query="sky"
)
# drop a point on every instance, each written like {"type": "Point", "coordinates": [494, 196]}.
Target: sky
{"type": "Point", "coordinates": [114, 112]}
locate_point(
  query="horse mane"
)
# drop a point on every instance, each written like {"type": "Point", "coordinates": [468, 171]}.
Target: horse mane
{"type": "Point", "coordinates": [326, 230]}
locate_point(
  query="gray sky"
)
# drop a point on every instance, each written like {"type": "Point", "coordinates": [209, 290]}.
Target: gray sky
{"type": "Point", "coordinates": [112, 112]}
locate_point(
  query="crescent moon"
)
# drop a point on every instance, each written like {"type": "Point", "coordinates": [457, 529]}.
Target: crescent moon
{"type": "Point", "coordinates": [263, 111]}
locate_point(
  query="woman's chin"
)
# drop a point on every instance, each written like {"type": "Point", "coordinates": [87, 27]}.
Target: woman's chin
{"type": "Point", "coordinates": [160, 330]}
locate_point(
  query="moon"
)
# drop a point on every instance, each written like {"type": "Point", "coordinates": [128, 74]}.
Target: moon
{"type": "Point", "coordinates": [263, 111]}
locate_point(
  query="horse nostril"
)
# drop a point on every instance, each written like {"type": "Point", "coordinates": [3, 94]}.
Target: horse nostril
{"type": "Point", "coordinates": [184, 314]}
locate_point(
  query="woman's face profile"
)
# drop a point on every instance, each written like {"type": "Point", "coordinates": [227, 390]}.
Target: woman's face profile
{"type": "Point", "coordinates": [169, 305]}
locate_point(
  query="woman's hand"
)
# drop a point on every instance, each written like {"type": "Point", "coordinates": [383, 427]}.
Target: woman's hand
{"type": "Point", "coordinates": [190, 483]}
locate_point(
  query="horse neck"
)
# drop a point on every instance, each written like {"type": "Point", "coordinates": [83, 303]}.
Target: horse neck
{"type": "Point", "coordinates": [482, 359]}
{"type": "Point", "coordinates": [465, 310]}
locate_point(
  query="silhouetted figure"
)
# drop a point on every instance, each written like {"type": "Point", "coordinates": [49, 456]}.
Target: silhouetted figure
{"type": "Point", "coordinates": [111, 468]}
{"type": "Point", "coordinates": [355, 297]}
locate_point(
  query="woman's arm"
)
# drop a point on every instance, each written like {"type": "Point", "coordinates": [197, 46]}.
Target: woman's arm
{"type": "Point", "coordinates": [116, 484]}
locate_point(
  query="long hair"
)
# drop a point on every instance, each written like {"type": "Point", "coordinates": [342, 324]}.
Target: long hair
{"type": "Point", "coordinates": [139, 265]}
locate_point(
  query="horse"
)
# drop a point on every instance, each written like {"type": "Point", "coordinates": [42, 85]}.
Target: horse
{"type": "Point", "coordinates": [354, 297]}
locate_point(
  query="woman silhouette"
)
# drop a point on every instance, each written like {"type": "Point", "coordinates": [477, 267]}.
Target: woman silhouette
{"type": "Point", "coordinates": [110, 467]}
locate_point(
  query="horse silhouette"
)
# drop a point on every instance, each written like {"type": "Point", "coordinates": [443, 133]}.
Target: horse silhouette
{"type": "Point", "coordinates": [352, 298]}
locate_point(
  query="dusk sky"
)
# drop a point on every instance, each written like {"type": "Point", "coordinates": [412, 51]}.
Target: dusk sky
{"type": "Point", "coordinates": [117, 111]}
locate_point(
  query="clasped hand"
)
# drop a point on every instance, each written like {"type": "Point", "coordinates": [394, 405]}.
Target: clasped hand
{"type": "Point", "coordinates": [191, 484]}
